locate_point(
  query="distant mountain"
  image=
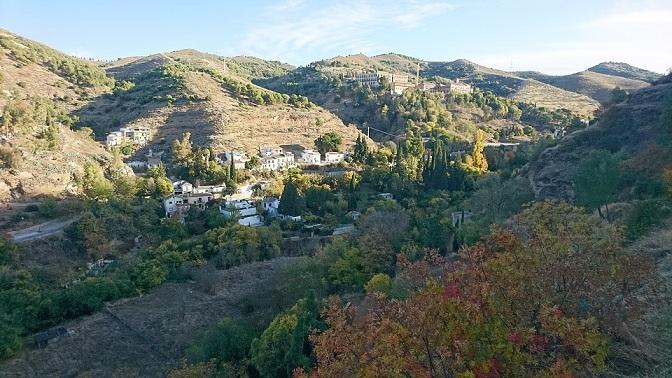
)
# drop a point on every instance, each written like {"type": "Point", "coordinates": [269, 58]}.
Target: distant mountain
{"type": "Point", "coordinates": [499, 82]}
{"type": "Point", "coordinates": [625, 70]}
{"type": "Point", "coordinates": [592, 84]}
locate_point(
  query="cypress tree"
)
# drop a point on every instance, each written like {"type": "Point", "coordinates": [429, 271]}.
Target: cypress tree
{"type": "Point", "coordinates": [291, 203]}
{"type": "Point", "coordinates": [232, 171]}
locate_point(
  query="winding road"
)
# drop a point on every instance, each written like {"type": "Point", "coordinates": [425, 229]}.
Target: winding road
{"type": "Point", "coordinates": [41, 230]}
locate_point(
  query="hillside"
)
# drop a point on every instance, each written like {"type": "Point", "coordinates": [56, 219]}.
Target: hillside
{"type": "Point", "coordinates": [632, 129]}
{"type": "Point", "coordinates": [212, 98]}
{"type": "Point", "coordinates": [592, 84]}
{"type": "Point", "coordinates": [487, 79]}
{"type": "Point", "coordinates": [625, 70]}
{"type": "Point", "coordinates": [39, 86]}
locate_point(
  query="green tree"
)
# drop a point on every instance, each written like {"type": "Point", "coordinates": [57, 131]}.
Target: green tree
{"type": "Point", "coordinates": [10, 339]}
{"type": "Point", "coordinates": [228, 341]}
{"type": "Point", "coordinates": [94, 184]}
{"type": "Point", "coordinates": [596, 181]}
{"type": "Point", "coordinates": [328, 142]}
{"type": "Point", "coordinates": [284, 345]}
{"type": "Point", "coordinates": [617, 95]}
{"type": "Point", "coordinates": [7, 252]}
{"type": "Point", "coordinates": [291, 202]}
{"type": "Point", "coordinates": [380, 283]}
{"type": "Point", "coordinates": [182, 149]}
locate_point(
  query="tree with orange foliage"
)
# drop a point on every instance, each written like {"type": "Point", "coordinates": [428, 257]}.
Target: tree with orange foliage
{"type": "Point", "coordinates": [537, 299]}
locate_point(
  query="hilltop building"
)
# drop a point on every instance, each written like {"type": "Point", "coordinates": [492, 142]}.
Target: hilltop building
{"type": "Point", "coordinates": [131, 135]}
{"type": "Point", "coordinates": [452, 86]}
{"type": "Point", "coordinates": [398, 82]}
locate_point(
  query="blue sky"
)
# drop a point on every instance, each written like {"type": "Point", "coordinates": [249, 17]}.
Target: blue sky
{"type": "Point", "coordinates": [557, 37]}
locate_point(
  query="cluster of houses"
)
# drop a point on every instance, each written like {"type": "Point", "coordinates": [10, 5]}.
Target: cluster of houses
{"type": "Point", "coordinates": [247, 211]}
{"type": "Point", "coordinates": [129, 135]}
{"type": "Point", "coordinates": [400, 82]}
{"type": "Point", "coordinates": [153, 160]}
{"type": "Point", "coordinates": [185, 196]}
{"type": "Point", "coordinates": [277, 158]}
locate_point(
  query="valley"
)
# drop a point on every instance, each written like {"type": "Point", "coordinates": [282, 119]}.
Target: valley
{"type": "Point", "coordinates": [186, 214]}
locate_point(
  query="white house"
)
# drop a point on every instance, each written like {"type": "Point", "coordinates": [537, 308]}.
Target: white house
{"type": "Point", "coordinates": [278, 162]}
{"type": "Point", "coordinates": [182, 187]}
{"type": "Point", "coordinates": [134, 135]}
{"type": "Point", "coordinates": [270, 205]}
{"type": "Point", "coordinates": [387, 196]}
{"type": "Point", "coordinates": [153, 159]}
{"type": "Point", "coordinates": [244, 210]}
{"type": "Point", "coordinates": [239, 159]}
{"type": "Point", "coordinates": [114, 138]}
{"type": "Point", "coordinates": [310, 157]}
{"type": "Point", "coordinates": [172, 205]}
{"type": "Point", "coordinates": [199, 200]}
{"type": "Point", "coordinates": [333, 157]}
{"type": "Point", "coordinates": [137, 164]}
{"type": "Point", "coordinates": [215, 190]}
{"type": "Point", "coordinates": [270, 150]}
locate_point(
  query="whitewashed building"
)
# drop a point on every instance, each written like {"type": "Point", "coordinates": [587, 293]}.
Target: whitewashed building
{"type": "Point", "coordinates": [270, 150]}
{"type": "Point", "coordinates": [311, 157]}
{"type": "Point", "coordinates": [333, 157]}
{"type": "Point", "coordinates": [173, 205]}
{"type": "Point", "coordinates": [245, 211]}
{"type": "Point", "coordinates": [239, 159]}
{"type": "Point", "coordinates": [133, 135]}
{"type": "Point", "coordinates": [199, 200]}
{"type": "Point", "coordinates": [182, 187]}
{"type": "Point", "coordinates": [278, 162]}
{"type": "Point", "coordinates": [270, 205]}
{"type": "Point", "coordinates": [216, 190]}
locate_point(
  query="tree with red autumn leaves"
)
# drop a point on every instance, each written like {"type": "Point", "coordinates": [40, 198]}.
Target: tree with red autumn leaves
{"type": "Point", "coordinates": [538, 298]}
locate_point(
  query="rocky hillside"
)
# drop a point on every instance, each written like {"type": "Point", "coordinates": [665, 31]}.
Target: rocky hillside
{"type": "Point", "coordinates": [50, 101]}
{"type": "Point", "coordinates": [210, 96]}
{"type": "Point", "coordinates": [634, 128]}
{"type": "Point", "coordinates": [39, 86]}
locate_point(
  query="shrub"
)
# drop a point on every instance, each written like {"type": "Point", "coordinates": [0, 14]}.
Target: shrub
{"type": "Point", "coordinates": [644, 217]}
{"type": "Point", "coordinates": [9, 157]}
{"type": "Point", "coordinates": [380, 283]}
{"type": "Point", "coordinates": [228, 341]}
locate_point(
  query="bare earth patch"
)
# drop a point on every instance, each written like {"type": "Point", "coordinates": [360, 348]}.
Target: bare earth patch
{"type": "Point", "coordinates": [146, 336]}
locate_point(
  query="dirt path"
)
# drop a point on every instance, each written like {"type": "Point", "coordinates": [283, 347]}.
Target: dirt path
{"type": "Point", "coordinates": [146, 336]}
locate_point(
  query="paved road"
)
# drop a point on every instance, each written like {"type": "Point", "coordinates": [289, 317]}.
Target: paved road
{"type": "Point", "coordinates": [41, 230]}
